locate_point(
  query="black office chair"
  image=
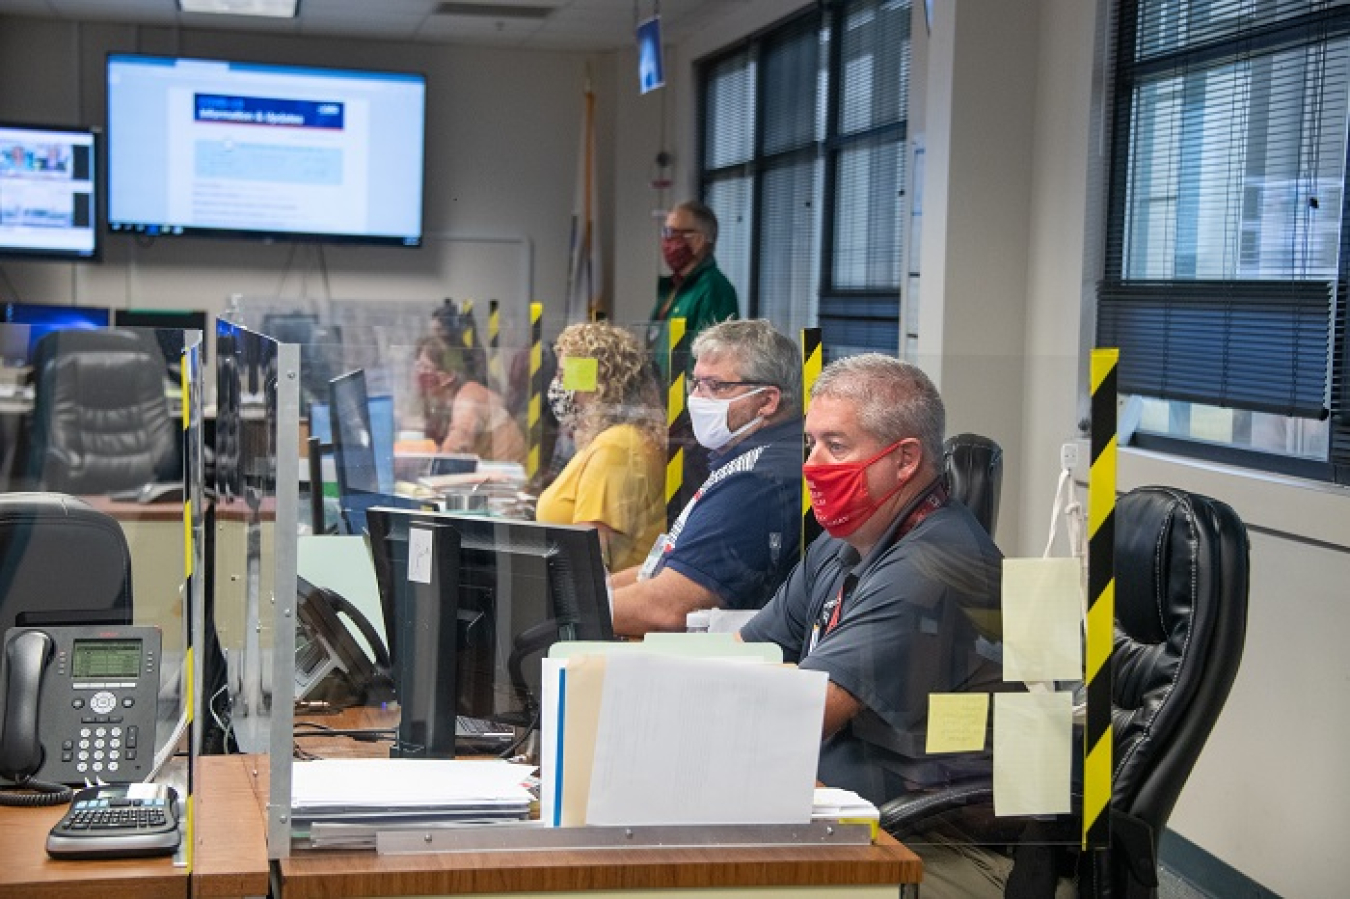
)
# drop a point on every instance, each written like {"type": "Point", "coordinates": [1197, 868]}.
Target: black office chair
{"type": "Point", "coordinates": [1181, 563]}
{"type": "Point", "coordinates": [61, 562]}
{"type": "Point", "coordinates": [101, 421]}
{"type": "Point", "coordinates": [974, 471]}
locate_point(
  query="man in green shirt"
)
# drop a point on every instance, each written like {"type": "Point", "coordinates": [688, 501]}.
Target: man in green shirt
{"type": "Point", "coordinates": [698, 292]}
{"type": "Point", "coordinates": [695, 290]}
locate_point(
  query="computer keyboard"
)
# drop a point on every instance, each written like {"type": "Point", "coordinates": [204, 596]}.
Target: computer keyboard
{"type": "Point", "coordinates": [482, 728]}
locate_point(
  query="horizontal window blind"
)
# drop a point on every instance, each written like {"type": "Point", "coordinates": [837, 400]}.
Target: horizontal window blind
{"type": "Point", "coordinates": [1256, 345]}
{"type": "Point", "coordinates": [1226, 216]}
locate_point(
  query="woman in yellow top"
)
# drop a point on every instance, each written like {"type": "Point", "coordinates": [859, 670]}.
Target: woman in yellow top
{"type": "Point", "coordinates": [616, 480]}
{"type": "Point", "coordinates": [461, 415]}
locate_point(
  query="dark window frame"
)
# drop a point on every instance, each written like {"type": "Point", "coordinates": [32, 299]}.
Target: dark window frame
{"type": "Point", "coordinates": [835, 306]}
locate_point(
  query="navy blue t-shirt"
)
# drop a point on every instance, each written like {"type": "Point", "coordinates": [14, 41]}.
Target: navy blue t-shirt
{"type": "Point", "coordinates": [738, 537]}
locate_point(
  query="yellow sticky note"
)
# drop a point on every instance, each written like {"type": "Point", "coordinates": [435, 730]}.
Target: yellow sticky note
{"type": "Point", "coordinates": [956, 721]}
{"type": "Point", "coordinates": [579, 373]}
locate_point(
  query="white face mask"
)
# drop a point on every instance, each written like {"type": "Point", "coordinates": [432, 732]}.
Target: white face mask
{"type": "Point", "coordinates": [709, 418]}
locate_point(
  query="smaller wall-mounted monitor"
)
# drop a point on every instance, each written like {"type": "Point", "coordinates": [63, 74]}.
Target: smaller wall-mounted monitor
{"type": "Point", "coordinates": [651, 69]}
{"type": "Point", "coordinates": [229, 149]}
{"type": "Point", "coordinates": [48, 192]}
{"type": "Point", "coordinates": [43, 319]}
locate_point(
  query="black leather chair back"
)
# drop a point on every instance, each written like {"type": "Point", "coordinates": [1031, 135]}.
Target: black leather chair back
{"type": "Point", "coordinates": [974, 469]}
{"type": "Point", "coordinates": [1181, 582]}
{"type": "Point", "coordinates": [101, 422]}
{"type": "Point", "coordinates": [61, 561]}
{"type": "Point", "coordinates": [1181, 620]}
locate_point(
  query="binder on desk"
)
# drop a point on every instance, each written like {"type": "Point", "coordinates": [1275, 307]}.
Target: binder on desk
{"type": "Point", "coordinates": [620, 732]}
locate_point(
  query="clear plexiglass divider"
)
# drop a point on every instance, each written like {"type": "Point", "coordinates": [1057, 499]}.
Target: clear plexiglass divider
{"type": "Point", "coordinates": [431, 535]}
{"type": "Point", "coordinates": [102, 546]}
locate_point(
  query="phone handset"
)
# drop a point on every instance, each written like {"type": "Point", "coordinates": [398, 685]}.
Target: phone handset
{"type": "Point", "coordinates": [26, 656]}
{"type": "Point", "coordinates": [21, 755]}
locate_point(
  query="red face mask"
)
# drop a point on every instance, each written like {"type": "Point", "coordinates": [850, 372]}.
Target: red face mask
{"type": "Point", "coordinates": [676, 253]}
{"type": "Point", "coordinates": [839, 493]}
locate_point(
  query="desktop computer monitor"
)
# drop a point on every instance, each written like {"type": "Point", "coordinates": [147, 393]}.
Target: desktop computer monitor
{"type": "Point", "coordinates": [353, 433]}
{"type": "Point", "coordinates": [320, 349]}
{"type": "Point", "coordinates": [505, 590]}
{"type": "Point", "coordinates": [381, 434]}
{"type": "Point", "coordinates": [42, 319]}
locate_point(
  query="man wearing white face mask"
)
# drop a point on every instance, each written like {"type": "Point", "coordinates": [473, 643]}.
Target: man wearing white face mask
{"type": "Point", "coordinates": [737, 538]}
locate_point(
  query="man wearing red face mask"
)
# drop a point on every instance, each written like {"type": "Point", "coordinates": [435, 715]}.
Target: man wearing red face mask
{"type": "Point", "coordinates": [695, 290]}
{"type": "Point", "coordinates": [901, 598]}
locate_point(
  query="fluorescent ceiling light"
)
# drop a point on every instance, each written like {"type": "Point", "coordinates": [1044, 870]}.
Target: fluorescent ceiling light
{"type": "Point", "coordinates": [277, 9]}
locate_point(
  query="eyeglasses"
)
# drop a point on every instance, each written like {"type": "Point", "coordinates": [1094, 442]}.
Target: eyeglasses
{"type": "Point", "coordinates": [680, 232]}
{"type": "Point", "coordinates": [714, 387]}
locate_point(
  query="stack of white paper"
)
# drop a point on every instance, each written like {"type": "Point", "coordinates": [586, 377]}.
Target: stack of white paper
{"type": "Point", "coordinates": [369, 792]}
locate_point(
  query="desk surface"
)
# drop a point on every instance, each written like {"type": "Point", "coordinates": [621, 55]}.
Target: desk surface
{"type": "Point", "coordinates": [230, 836]}
{"type": "Point", "coordinates": [27, 871]}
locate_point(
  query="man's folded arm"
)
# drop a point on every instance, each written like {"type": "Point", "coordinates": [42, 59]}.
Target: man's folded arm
{"type": "Point", "coordinates": [659, 603]}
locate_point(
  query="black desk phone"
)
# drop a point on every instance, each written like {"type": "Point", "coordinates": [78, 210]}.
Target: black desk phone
{"type": "Point", "coordinates": [118, 821]}
{"type": "Point", "coordinates": [78, 704]}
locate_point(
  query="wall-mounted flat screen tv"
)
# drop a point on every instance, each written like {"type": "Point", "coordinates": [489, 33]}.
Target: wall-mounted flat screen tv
{"type": "Point", "coordinates": [228, 149]}
{"type": "Point", "coordinates": [48, 192]}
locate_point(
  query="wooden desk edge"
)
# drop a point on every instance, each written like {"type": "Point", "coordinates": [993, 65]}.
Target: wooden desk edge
{"type": "Point", "coordinates": [329, 874]}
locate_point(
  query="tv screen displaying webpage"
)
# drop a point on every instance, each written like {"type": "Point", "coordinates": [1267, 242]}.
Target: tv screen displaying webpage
{"type": "Point", "coordinates": [48, 192]}
{"type": "Point", "coordinates": [213, 148]}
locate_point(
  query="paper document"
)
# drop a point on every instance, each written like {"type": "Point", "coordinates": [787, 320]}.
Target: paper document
{"type": "Point", "coordinates": [685, 741]}
{"type": "Point", "coordinates": [1033, 743]}
{"type": "Point", "coordinates": [378, 784]}
{"type": "Point", "coordinates": [1042, 620]}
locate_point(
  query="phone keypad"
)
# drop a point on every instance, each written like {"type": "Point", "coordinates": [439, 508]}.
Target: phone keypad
{"type": "Point", "coordinates": [102, 746]}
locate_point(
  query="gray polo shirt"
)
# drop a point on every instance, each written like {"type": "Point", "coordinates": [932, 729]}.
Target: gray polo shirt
{"type": "Point", "coordinates": [920, 615]}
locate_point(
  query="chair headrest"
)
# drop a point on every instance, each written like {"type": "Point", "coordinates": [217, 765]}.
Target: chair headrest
{"type": "Point", "coordinates": [60, 555]}
{"type": "Point", "coordinates": [974, 469]}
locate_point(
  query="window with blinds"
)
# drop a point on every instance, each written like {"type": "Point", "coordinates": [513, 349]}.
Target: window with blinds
{"type": "Point", "coordinates": [1226, 245]}
{"type": "Point", "coordinates": [803, 138]}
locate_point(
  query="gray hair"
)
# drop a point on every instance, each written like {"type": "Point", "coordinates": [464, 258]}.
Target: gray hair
{"type": "Point", "coordinates": [760, 353]}
{"type": "Point", "coordinates": [894, 400]}
{"type": "Point", "coordinates": [704, 217]}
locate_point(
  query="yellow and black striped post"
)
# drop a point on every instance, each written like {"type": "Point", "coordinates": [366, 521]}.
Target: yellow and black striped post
{"type": "Point", "coordinates": [1101, 616]}
{"type": "Point", "coordinates": [811, 365]}
{"type": "Point", "coordinates": [187, 376]}
{"type": "Point", "coordinates": [469, 334]}
{"type": "Point", "coordinates": [496, 378]}
{"type": "Point", "coordinates": [677, 415]}
{"type": "Point", "coordinates": [534, 421]}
